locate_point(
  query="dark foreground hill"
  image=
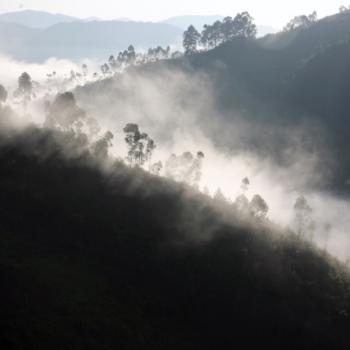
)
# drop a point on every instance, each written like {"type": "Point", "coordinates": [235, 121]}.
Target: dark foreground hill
{"type": "Point", "coordinates": [129, 261]}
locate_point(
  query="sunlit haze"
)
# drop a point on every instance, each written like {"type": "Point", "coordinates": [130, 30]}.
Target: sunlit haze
{"type": "Point", "coordinates": [174, 174]}
{"type": "Point", "coordinates": [270, 12]}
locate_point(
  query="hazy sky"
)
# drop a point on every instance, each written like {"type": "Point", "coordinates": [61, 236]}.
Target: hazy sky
{"type": "Point", "coordinates": [269, 12]}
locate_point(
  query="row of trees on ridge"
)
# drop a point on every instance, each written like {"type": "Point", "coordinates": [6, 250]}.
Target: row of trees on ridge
{"type": "Point", "coordinates": [219, 32]}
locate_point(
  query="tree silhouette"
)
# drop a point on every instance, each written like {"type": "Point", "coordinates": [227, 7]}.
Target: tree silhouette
{"type": "Point", "coordinates": [185, 168]}
{"type": "Point", "coordinates": [64, 113]}
{"type": "Point", "coordinates": [228, 28]}
{"type": "Point", "coordinates": [219, 196]}
{"type": "Point", "coordinates": [25, 86]}
{"type": "Point", "coordinates": [105, 69]}
{"type": "Point", "coordinates": [212, 35]}
{"type": "Point", "coordinates": [132, 138]}
{"type": "Point", "coordinates": [171, 167]}
{"type": "Point", "coordinates": [101, 146]}
{"type": "Point", "coordinates": [140, 145]}
{"type": "Point", "coordinates": [193, 166]}
{"type": "Point", "coordinates": [243, 25]}
{"type": "Point", "coordinates": [302, 21]}
{"type": "Point", "coordinates": [150, 147]}
{"type": "Point", "coordinates": [343, 8]}
{"type": "Point", "coordinates": [156, 168]}
{"type": "Point", "coordinates": [242, 204]}
{"type": "Point", "coordinates": [313, 17]}
{"type": "Point", "coordinates": [51, 75]}
{"type": "Point", "coordinates": [112, 62]}
{"type": "Point", "coordinates": [245, 185]}
{"type": "Point", "coordinates": [191, 38]}
{"type": "Point", "coordinates": [131, 55]}
{"type": "Point", "coordinates": [93, 126]}
{"type": "Point", "coordinates": [84, 69]}
{"type": "Point", "coordinates": [327, 228]}
{"type": "Point", "coordinates": [197, 168]}
{"type": "Point", "coordinates": [258, 207]}
{"type": "Point", "coordinates": [302, 212]}
{"type": "Point", "coordinates": [157, 53]}
{"type": "Point", "coordinates": [310, 230]}
{"type": "Point", "coordinates": [219, 32]}
{"type": "Point", "coordinates": [3, 94]}
{"type": "Point", "coordinates": [176, 54]}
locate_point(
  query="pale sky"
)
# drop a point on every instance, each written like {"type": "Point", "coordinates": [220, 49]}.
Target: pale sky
{"type": "Point", "coordinates": [266, 12]}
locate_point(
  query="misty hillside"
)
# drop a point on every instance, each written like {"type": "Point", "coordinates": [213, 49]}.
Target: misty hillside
{"type": "Point", "coordinates": [290, 79]}
{"type": "Point", "coordinates": [127, 260]}
{"type": "Point", "coordinates": [92, 39]}
{"type": "Point", "coordinates": [298, 76]}
{"type": "Point", "coordinates": [35, 19]}
{"type": "Point", "coordinates": [268, 69]}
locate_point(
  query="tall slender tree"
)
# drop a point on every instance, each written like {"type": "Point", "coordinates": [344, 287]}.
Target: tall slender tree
{"type": "Point", "coordinates": [140, 145]}
{"type": "Point", "coordinates": [3, 94]}
{"type": "Point", "coordinates": [258, 207]}
{"type": "Point", "coordinates": [243, 25]}
{"type": "Point", "coordinates": [191, 38]}
{"type": "Point", "coordinates": [100, 147]}
{"type": "Point", "coordinates": [302, 215]}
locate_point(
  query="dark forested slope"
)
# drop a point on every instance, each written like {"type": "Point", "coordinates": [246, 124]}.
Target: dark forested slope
{"type": "Point", "coordinates": [125, 260]}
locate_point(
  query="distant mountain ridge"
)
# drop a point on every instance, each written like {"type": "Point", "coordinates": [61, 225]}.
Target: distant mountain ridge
{"type": "Point", "coordinates": [91, 39]}
{"type": "Point", "coordinates": [35, 19]}
{"type": "Point", "coordinates": [36, 35]}
{"type": "Point", "coordinates": [42, 20]}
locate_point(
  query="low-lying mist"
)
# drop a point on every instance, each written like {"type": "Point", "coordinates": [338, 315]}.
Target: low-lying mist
{"type": "Point", "coordinates": [178, 108]}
